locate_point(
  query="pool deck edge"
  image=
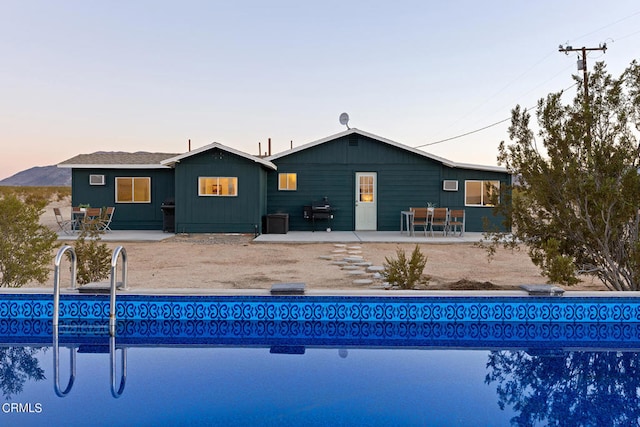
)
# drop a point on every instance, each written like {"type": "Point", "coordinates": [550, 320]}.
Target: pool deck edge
{"type": "Point", "coordinates": [325, 292]}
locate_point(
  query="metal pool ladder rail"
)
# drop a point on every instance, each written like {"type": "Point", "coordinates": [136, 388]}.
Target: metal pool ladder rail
{"type": "Point", "coordinates": [56, 280]}
{"type": "Point", "coordinates": [119, 251]}
{"type": "Point", "coordinates": [112, 293]}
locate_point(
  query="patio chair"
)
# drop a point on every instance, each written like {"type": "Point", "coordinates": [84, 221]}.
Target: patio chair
{"type": "Point", "coordinates": [439, 219]}
{"type": "Point", "coordinates": [105, 219]}
{"type": "Point", "coordinates": [92, 218]}
{"type": "Point", "coordinates": [456, 221]}
{"type": "Point", "coordinates": [420, 219]}
{"type": "Point", "coordinates": [66, 225]}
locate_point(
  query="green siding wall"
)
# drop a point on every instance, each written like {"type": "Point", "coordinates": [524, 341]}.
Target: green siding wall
{"type": "Point", "coordinates": [127, 216]}
{"type": "Point", "coordinates": [211, 214]}
{"type": "Point", "coordinates": [404, 179]}
{"type": "Point", "coordinates": [474, 216]}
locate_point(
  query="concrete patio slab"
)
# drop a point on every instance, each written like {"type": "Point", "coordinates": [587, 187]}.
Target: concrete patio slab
{"type": "Point", "coordinates": [124, 236]}
{"type": "Point", "coordinates": [342, 237]}
{"type": "Point", "coordinates": [363, 237]}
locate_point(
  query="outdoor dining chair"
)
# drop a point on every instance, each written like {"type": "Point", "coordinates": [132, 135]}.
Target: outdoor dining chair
{"type": "Point", "coordinates": [456, 221]}
{"type": "Point", "coordinates": [105, 219]}
{"type": "Point", "coordinates": [66, 225]}
{"type": "Point", "coordinates": [420, 219]}
{"type": "Point", "coordinates": [440, 219]}
{"type": "Point", "coordinates": [92, 219]}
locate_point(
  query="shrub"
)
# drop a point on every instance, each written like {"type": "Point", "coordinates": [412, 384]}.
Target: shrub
{"type": "Point", "coordinates": [405, 273]}
{"type": "Point", "coordinates": [25, 244]}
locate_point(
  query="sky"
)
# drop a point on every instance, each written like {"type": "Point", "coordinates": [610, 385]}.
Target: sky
{"type": "Point", "coordinates": [83, 76]}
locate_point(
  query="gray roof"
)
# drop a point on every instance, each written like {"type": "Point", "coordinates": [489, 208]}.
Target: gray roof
{"type": "Point", "coordinates": [118, 160]}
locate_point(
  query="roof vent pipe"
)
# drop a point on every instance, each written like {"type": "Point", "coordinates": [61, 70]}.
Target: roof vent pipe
{"type": "Point", "coordinates": [189, 145]}
{"type": "Point", "coordinates": [259, 148]}
{"type": "Point", "coordinates": [269, 148]}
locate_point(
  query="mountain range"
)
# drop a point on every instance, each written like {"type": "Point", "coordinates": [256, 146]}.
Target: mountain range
{"type": "Point", "coordinates": [40, 176]}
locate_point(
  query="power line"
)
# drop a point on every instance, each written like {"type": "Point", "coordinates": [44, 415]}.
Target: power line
{"type": "Point", "coordinates": [565, 49]}
{"type": "Point", "coordinates": [477, 130]}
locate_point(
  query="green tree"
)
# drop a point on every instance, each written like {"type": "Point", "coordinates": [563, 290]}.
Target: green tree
{"type": "Point", "coordinates": [25, 244]}
{"type": "Point", "coordinates": [576, 206]}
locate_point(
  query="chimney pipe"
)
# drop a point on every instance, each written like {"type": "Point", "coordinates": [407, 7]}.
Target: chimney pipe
{"type": "Point", "coordinates": [291, 144]}
{"type": "Point", "coordinates": [189, 145]}
{"type": "Point", "coordinates": [259, 149]}
{"type": "Point", "coordinates": [269, 146]}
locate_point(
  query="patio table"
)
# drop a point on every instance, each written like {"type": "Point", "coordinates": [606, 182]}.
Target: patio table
{"type": "Point", "coordinates": [406, 217]}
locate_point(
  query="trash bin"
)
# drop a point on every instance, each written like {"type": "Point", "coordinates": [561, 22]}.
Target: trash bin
{"type": "Point", "coordinates": [168, 215]}
{"type": "Point", "coordinates": [277, 224]}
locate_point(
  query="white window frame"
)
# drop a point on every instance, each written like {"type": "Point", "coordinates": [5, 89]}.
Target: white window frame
{"type": "Point", "coordinates": [483, 182]}
{"type": "Point", "coordinates": [133, 189]}
{"type": "Point", "coordinates": [288, 174]}
{"type": "Point", "coordinates": [218, 178]}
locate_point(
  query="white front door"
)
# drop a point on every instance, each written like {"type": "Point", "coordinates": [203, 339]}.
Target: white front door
{"type": "Point", "coordinates": [366, 201]}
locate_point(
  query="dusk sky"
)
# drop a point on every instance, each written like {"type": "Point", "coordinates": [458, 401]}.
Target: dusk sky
{"type": "Point", "coordinates": [84, 76]}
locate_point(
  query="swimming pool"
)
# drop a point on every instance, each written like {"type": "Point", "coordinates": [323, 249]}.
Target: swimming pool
{"type": "Point", "coordinates": [322, 360]}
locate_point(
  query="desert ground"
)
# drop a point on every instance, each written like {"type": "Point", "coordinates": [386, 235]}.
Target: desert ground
{"type": "Point", "coordinates": [221, 261]}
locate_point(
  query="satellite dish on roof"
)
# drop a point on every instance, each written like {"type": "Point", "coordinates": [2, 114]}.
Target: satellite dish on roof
{"type": "Point", "coordinates": [344, 120]}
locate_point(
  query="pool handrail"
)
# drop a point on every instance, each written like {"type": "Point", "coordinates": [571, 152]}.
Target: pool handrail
{"type": "Point", "coordinates": [117, 252]}
{"type": "Point", "coordinates": [56, 279]}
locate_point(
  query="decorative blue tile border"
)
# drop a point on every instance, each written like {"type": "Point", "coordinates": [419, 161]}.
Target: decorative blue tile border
{"type": "Point", "coordinates": [349, 309]}
{"type": "Point", "coordinates": [299, 320]}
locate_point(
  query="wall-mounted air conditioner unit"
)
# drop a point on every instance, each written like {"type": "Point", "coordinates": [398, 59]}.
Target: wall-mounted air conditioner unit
{"type": "Point", "coordinates": [96, 179]}
{"type": "Point", "coordinates": [450, 185]}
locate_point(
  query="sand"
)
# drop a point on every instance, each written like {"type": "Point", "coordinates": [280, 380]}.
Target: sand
{"type": "Point", "coordinates": [219, 261]}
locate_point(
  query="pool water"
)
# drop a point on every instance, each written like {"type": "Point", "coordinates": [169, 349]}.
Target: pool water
{"type": "Point", "coordinates": [323, 361]}
{"type": "Point", "coordinates": [332, 386]}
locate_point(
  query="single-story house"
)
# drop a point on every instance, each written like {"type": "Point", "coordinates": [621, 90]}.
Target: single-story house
{"type": "Point", "coordinates": [365, 178]}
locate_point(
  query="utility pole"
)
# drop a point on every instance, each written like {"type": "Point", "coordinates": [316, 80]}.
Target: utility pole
{"type": "Point", "coordinates": [582, 63]}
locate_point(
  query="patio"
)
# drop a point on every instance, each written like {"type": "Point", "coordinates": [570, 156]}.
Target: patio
{"type": "Point", "coordinates": [296, 237]}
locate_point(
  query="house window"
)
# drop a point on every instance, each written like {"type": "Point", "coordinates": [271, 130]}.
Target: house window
{"type": "Point", "coordinates": [133, 190]}
{"type": "Point", "coordinates": [217, 186]}
{"type": "Point", "coordinates": [481, 193]}
{"type": "Point", "coordinates": [288, 181]}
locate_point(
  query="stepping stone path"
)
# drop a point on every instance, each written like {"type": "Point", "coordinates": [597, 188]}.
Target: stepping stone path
{"type": "Point", "coordinates": [351, 260]}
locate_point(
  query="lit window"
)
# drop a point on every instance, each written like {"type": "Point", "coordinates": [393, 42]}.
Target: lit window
{"type": "Point", "coordinates": [133, 190]}
{"type": "Point", "coordinates": [481, 193]}
{"type": "Point", "coordinates": [288, 181]}
{"type": "Point", "coordinates": [224, 186]}
{"type": "Point", "coordinates": [366, 189]}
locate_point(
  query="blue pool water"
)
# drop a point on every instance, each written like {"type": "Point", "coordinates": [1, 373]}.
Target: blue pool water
{"type": "Point", "coordinates": [323, 361]}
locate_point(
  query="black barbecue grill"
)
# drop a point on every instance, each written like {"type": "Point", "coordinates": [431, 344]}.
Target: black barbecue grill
{"type": "Point", "coordinates": [319, 210]}
{"type": "Point", "coordinates": [168, 208]}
